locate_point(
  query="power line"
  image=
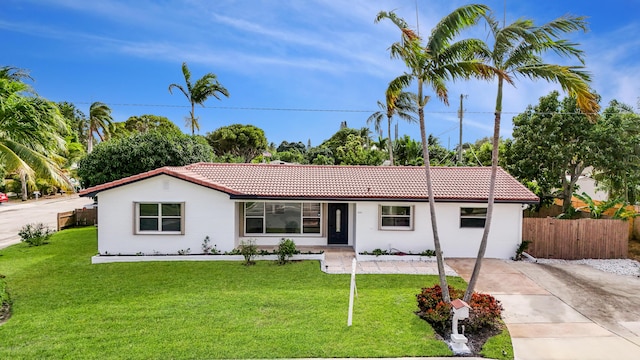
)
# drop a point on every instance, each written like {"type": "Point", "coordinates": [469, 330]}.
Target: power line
{"type": "Point", "coordinates": [248, 108]}
{"type": "Point", "coordinates": [233, 107]}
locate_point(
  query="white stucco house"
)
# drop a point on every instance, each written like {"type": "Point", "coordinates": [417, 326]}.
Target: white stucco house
{"type": "Point", "coordinates": [365, 207]}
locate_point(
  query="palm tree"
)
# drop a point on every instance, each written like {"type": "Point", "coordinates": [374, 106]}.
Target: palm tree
{"type": "Point", "coordinates": [365, 134]}
{"type": "Point", "coordinates": [433, 65]}
{"type": "Point", "coordinates": [517, 50]}
{"type": "Point", "coordinates": [408, 151]}
{"type": "Point", "coordinates": [14, 73]}
{"type": "Point", "coordinates": [401, 104]}
{"type": "Point", "coordinates": [30, 135]}
{"type": "Point", "coordinates": [100, 123]}
{"type": "Point", "coordinates": [381, 143]}
{"type": "Point", "coordinates": [198, 93]}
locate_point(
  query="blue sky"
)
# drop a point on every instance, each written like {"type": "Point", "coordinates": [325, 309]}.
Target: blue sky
{"type": "Point", "coordinates": [322, 55]}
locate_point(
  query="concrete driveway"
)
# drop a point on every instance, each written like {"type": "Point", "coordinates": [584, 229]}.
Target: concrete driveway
{"type": "Point", "coordinates": [563, 311]}
{"type": "Point", "coordinates": [14, 215]}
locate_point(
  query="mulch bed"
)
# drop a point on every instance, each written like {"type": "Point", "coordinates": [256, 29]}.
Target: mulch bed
{"type": "Point", "coordinates": [476, 340]}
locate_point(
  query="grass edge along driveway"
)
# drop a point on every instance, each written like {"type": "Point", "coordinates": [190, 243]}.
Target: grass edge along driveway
{"type": "Point", "coordinates": [65, 307]}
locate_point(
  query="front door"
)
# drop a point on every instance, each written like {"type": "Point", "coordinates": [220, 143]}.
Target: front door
{"type": "Point", "coordinates": [338, 217]}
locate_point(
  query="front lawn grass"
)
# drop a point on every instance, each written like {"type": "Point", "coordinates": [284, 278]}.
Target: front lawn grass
{"type": "Point", "coordinates": [64, 307]}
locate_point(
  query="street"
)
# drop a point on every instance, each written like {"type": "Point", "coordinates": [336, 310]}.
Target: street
{"type": "Point", "coordinates": [14, 215]}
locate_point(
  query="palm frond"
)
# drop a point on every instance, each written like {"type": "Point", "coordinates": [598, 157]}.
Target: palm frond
{"type": "Point", "coordinates": [187, 76]}
{"type": "Point", "coordinates": [565, 24]}
{"type": "Point", "coordinates": [573, 80]}
{"type": "Point", "coordinates": [377, 117]}
{"type": "Point", "coordinates": [179, 87]}
{"type": "Point", "coordinates": [206, 87]}
{"type": "Point", "coordinates": [398, 21]}
{"type": "Point", "coordinates": [11, 160]}
{"type": "Point", "coordinates": [451, 25]}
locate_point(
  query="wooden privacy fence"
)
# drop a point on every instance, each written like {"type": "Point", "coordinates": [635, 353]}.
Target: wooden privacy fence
{"type": "Point", "coordinates": [576, 239]}
{"type": "Point", "coordinates": [78, 217]}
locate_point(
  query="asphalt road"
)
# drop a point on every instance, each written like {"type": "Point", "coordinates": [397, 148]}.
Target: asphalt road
{"type": "Point", "coordinates": [14, 215]}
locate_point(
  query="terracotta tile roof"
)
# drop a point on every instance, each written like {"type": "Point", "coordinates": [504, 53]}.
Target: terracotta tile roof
{"type": "Point", "coordinates": [341, 182]}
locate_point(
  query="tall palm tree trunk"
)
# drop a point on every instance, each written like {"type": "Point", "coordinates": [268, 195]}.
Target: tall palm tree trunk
{"type": "Point", "coordinates": [90, 140]}
{"type": "Point", "coordinates": [432, 206]}
{"type": "Point", "coordinates": [23, 183]}
{"type": "Point", "coordinates": [193, 119]}
{"type": "Point", "coordinates": [490, 201]}
{"type": "Point", "coordinates": [390, 142]}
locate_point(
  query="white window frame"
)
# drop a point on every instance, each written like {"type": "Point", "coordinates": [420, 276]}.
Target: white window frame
{"type": "Point", "coordinates": [396, 228]}
{"type": "Point", "coordinates": [159, 231]}
{"type": "Point", "coordinates": [264, 225]}
{"type": "Point", "coordinates": [464, 215]}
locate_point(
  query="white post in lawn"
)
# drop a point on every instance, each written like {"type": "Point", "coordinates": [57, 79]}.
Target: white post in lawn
{"type": "Point", "coordinates": [352, 290]}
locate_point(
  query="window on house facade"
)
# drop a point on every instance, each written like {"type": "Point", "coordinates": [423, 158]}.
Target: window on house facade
{"type": "Point", "coordinates": [473, 217]}
{"type": "Point", "coordinates": [159, 218]}
{"type": "Point", "coordinates": [396, 217]}
{"type": "Point", "coordinates": [282, 218]}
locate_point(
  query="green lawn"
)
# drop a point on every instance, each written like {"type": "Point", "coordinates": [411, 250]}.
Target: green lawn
{"type": "Point", "coordinates": [64, 307]}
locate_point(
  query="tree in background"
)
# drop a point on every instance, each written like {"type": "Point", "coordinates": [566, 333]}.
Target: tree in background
{"type": "Point", "coordinates": [119, 158]}
{"type": "Point", "coordinates": [408, 152]}
{"type": "Point", "coordinates": [100, 123]}
{"type": "Point", "coordinates": [432, 65]}
{"type": "Point", "coordinates": [517, 50]}
{"type": "Point", "coordinates": [292, 146]}
{"type": "Point", "coordinates": [353, 152]}
{"type": "Point", "coordinates": [438, 154]}
{"type": "Point", "coordinates": [320, 155]}
{"type": "Point", "coordinates": [553, 143]}
{"type": "Point", "coordinates": [617, 167]}
{"type": "Point", "coordinates": [290, 156]}
{"type": "Point", "coordinates": [398, 103]}
{"type": "Point", "coordinates": [31, 133]}
{"type": "Point", "coordinates": [12, 73]}
{"type": "Point", "coordinates": [117, 130]}
{"type": "Point", "coordinates": [76, 139]}
{"type": "Point", "coordinates": [76, 121]}
{"type": "Point", "coordinates": [340, 139]}
{"type": "Point", "coordinates": [198, 92]}
{"type": "Point", "coordinates": [479, 152]}
{"type": "Point", "coordinates": [147, 123]}
{"type": "Point", "coordinates": [245, 141]}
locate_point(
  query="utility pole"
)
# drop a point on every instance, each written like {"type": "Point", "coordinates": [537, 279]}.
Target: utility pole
{"type": "Point", "coordinates": [460, 115]}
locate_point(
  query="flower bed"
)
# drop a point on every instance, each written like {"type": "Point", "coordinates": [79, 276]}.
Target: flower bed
{"type": "Point", "coordinates": [362, 257]}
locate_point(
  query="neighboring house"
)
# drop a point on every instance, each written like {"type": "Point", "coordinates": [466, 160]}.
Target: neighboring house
{"type": "Point", "coordinates": [174, 208]}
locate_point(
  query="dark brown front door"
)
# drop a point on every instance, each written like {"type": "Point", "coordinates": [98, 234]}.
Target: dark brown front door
{"type": "Point", "coordinates": [338, 232]}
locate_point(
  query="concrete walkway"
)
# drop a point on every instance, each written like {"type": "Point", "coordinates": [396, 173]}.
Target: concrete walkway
{"type": "Point", "coordinates": [339, 261]}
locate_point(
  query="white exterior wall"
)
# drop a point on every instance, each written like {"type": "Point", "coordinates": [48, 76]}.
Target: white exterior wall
{"type": "Point", "coordinates": [370, 236]}
{"type": "Point", "coordinates": [212, 213]}
{"type": "Point", "coordinates": [207, 212]}
{"type": "Point", "coordinates": [505, 235]}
